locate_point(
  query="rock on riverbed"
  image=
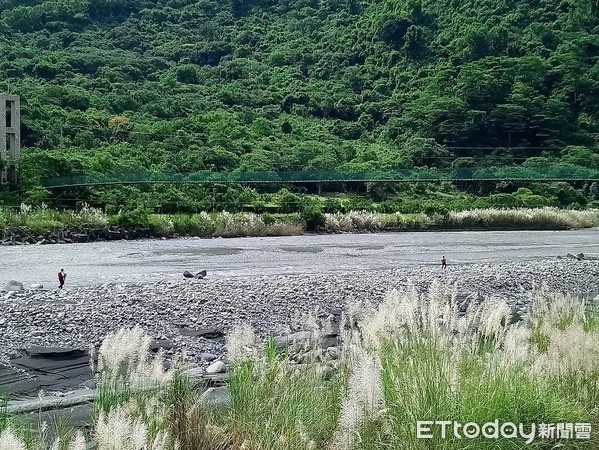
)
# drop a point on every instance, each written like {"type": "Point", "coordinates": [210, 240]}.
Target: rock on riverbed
{"type": "Point", "coordinates": [80, 317]}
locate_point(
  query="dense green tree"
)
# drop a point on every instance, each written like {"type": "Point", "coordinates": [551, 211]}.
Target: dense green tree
{"type": "Point", "coordinates": [254, 85]}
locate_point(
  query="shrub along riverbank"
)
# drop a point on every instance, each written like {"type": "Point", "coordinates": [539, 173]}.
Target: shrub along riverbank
{"type": "Point", "coordinates": [415, 357]}
{"type": "Point", "coordinates": [29, 225]}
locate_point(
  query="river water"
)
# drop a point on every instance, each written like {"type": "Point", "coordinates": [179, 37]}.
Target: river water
{"type": "Point", "coordinates": [124, 261]}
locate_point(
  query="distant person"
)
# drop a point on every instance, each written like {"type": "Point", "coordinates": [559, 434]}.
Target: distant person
{"type": "Point", "coordinates": [443, 263]}
{"type": "Point", "coordinates": [61, 277]}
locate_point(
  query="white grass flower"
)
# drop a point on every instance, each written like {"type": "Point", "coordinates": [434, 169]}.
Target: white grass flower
{"type": "Point", "coordinates": [56, 444]}
{"type": "Point", "coordinates": [516, 346]}
{"type": "Point", "coordinates": [124, 355]}
{"type": "Point", "coordinates": [78, 442]}
{"type": "Point", "coordinates": [10, 441]}
{"type": "Point", "coordinates": [364, 399]}
{"type": "Point", "coordinates": [160, 442]}
{"type": "Point", "coordinates": [241, 344]}
{"type": "Point", "coordinates": [117, 430]}
{"type": "Point", "coordinates": [573, 351]}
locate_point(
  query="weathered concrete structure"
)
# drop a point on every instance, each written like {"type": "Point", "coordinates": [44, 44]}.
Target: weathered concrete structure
{"type": "Point", "coordinates": [10, 138]}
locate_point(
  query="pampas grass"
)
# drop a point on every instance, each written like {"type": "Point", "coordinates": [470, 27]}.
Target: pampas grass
{"type": "Point", "coordinates": [241, 344]}
{"type": "Point", "coordinates": [224, 224]}
{"type": "Point", "coordinates": [125, 356]}
{"type": "Point", "coordinates": [10, 441]}
{"type": "Point", "coordinates": [127, 370]}
{"type": "Point", "coordinates": [438, 361]}
{"type": "Point", "coordinates": [43, 218]}
{"type": "Point", "coordinates": [539, 218]}
{"type": "Point", "coordinates": [118, 430]}
{"type": "Point", "coordinates": [520, 218]}
{"type": "Point", "coordinates": [418, 355]}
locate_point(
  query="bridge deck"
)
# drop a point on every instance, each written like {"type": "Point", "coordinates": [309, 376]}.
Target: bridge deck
{"type": "Point", "coordinates": [490, 174]}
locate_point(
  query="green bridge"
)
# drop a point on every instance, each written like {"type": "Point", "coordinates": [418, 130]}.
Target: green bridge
{"type": "Point", "coordinates": [505, 173]}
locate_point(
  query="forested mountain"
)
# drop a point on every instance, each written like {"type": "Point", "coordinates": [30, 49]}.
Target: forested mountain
{"type": "Point", "coordinates": [121, 86]}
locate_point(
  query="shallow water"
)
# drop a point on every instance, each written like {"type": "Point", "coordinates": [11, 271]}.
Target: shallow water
{"type": "Point", "coordinates": [104, 262]}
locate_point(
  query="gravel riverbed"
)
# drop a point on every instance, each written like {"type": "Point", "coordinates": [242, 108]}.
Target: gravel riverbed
{"type": "Point", "coordinates": [192, 314]}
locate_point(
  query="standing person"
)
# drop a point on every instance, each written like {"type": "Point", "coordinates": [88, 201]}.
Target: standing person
{"type": "Point", "coordinates": [61, 277]}
{"type": "Point", "coordinates": [443, 263]}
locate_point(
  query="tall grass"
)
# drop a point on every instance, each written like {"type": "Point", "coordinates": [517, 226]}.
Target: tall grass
{"type": "Point", "coordinates": [520, 218]}
{"type": "Point", "coordinates": [125, 370]}
{"type": "Point", "coordinates": [416, 356]}
{"type": "Point", "coordinates": [43, 218]}
{"type": "Point", "coordinates": [224, 224]}
{"type": "Point", "coordinates": [276, 404]}
{"type": "Point", "coordinates": [547, 217]}
{"type": "Point", "coordinates": [439, 365]}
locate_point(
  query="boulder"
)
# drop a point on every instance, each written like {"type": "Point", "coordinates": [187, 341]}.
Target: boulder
{"type": "Point", "coordinates": [199, 275]}
{"type": "Point", "coordinates": [37, 286]}
{"type": "Point", "coordinates": [329, 340]}
{"type": "Point", "coordinates": [207, 356]}
{"type": "Point", "coordinates": [216, 396]}
{"type": "Point", "coordinates": [333, 352]}
{"type": "Point", "coordinates": [206, 333]}
{"type": "Point", "coordinates": [216, 367]}
{"type": "Point", "coordinates": [466, 300]}
{"type": "Point", "coordinates": [301, 338]}
{"type": "Point", "coordinates": [14, 286]}
{"type": "Point", "coordinates": [580, 256]}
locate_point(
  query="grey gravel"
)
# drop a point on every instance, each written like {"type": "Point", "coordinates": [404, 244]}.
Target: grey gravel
{"type": "Point", "coordinates": [80, 317]}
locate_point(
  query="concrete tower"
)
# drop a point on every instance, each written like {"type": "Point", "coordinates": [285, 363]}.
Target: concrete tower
{"type": "Point", "coordinates": [10, 138]}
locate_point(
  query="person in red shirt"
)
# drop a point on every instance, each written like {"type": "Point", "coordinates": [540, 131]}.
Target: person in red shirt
{"type": "Point", "coordinates": [61, 277]}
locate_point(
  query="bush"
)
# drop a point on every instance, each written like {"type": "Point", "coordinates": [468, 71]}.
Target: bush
{"type": "Point", "coordinates": [268, 219]}
{"type": "Point", "coordinates": [503, 201]}
{"type": "Point", "coordinates": [313, 218]}
{"type": "Point", "coordinates": [534, 201]}
{"type": "Point", "coordinates": [332, 205]}
{"type": "Point", "coordinates": [161, 225]}
{"type": "Point", "coordinates": [389, 207]}
{"type": "Point", "coordinates": [432, 209]}
{"type": "Point", "coordinates": [288, 201]}
{"type": "Point", "coordinates": [136, 217]}
{"type": "Point", "coordinates": [358, 203]}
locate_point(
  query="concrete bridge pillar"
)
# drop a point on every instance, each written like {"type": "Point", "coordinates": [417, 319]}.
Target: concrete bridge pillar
{"type": "Point", "coordinates": [10, 138]}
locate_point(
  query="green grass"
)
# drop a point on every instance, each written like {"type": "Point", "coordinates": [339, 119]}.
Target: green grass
{"type": "Point", "coordinates": [279, 405]}
{"type": "Point", "coordinates": [3, 412]}
{"type": "Point", "coordinates": [417, 387]}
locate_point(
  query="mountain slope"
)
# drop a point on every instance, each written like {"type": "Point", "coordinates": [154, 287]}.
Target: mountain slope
{"type": "Point", "coordinates": [178, 86]}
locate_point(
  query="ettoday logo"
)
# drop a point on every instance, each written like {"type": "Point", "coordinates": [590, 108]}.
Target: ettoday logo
{"type": "Point", "coordinates": [447, 429]}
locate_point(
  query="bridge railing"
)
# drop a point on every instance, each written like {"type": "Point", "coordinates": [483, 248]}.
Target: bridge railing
{"type": "Point", "coordinates": [564, 172]}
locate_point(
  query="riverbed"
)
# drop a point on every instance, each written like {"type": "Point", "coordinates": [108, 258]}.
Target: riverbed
{"type": "Point", "coordinates": [154, 260]}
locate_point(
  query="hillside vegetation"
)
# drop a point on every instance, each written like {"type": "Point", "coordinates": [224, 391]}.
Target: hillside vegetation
{"type": "Point", "coordinates": [128, 86]}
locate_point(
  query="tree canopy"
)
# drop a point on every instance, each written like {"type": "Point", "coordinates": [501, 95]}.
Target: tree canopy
{"type": "Point", "coordinates": [114, 86]}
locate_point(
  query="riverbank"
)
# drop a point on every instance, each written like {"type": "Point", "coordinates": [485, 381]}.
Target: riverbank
{"type": "Point", "coordinates": [43, 226]}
